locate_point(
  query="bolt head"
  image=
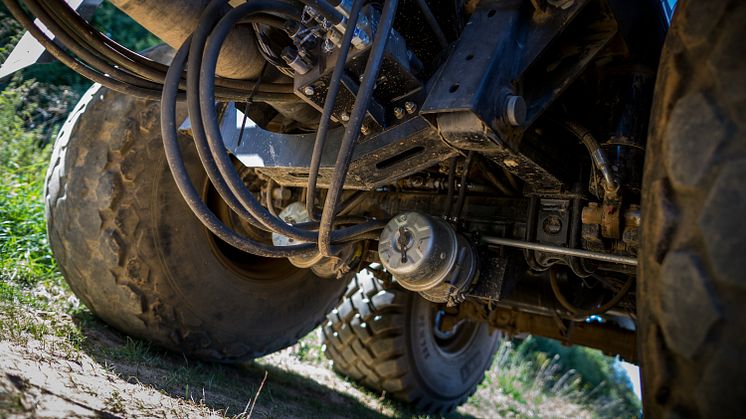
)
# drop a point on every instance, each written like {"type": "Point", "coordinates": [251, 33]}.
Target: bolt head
{"type": "Point", "coordinates": [344, 117]}
{"type": "Point", "coordinates": [309, 91]}
{"type": "Point", "coordinates": [398, 113]}
{"type": "Point", "coordinates": [411, 107]}
{"type": "Point", "coordinates": [552, 225]}
{"type": "Point", "coordinates": [364, 130]}
{"type": "Point", "coordinates": [327, 46]}
{"type": "Point", "coordinates": [515, 110]}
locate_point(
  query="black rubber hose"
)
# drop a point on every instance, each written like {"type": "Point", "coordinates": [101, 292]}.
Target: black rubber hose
{"type": "Point", "coordinates": [352, 130]}
{"type": "Point", "coordinates": [147, 66]}
{"type": "Point", "coordinates": [462, 189]}
{"type": "Point", "coordinates": [214, 137]}
{"type": "Point", "coordinates": [433, 23]}
{"type": "Point", "coordinates": [141, 65]}
{"type": "Point", "coordinates": [74, 64]}
{"type": "Point", "coordinates": [331, 100]}
{"type": "Point", "coordinates": [95, 51]}
{"type": "Point", "coordinates": [92, 59]}
{"type": "Point", "coordinates": [230, 193]}
{"type": "Point", "coordinates": [451, 187]}
{"type": "Point", "coordinates": [184, 183]}
{"type": "Point", "coordinates": [598, 156]}
{"type": "Point", "coordinates": [209, 17]}
{"type": "Point", "coordinates": [582, 314]}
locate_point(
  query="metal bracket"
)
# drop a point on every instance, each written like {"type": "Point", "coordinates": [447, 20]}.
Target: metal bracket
{"type": "Point", "coordinates": [519, 62]}
{"type": "Point", "coordinates": [405, 149]}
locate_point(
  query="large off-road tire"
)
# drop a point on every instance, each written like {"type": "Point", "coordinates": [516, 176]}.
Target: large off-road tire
{"type": "Point", "coordinates": [134, 253]}
{"type": "Point", "coordinates": [692, 299]}
{"type": "Point", "coordinates": [386, 339]}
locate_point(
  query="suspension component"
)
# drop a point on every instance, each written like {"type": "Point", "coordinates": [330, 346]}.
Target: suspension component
{"type": "Point", "coordinates": [426, 255]}
{"type": "Point", "coordinates": [325, 267]}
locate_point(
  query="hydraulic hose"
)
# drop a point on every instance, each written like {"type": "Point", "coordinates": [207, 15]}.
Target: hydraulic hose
{"type": "Point", "coordinates": [598, 156]}
{"type": "Point", "coordinates": [329, 103]}
{"type": "Point", "coordinates": [210, 16]}
{"type": "Point", "coordinates": [352, 130]}
{"type": "Point", "coordinates": [138, 64]}
{"type": "Point", "coordinates": [581, 313]}
{"type": "Point", "coordinates": [214, 137]}
{"type": "Point", "coordinates": [462, 190]}
{"type": "Point", "coordinates": [75, 64]}
{"type": "Point", "coordinates": [184, 183]}
{"type": "Point", "coordinates": [86, 55]}
{"type": "Point", "coordinates": [110, 64]}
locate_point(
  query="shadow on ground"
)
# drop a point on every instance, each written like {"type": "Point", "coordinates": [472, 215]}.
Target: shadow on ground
{"type": "Point", "coordinates": [292, 388]}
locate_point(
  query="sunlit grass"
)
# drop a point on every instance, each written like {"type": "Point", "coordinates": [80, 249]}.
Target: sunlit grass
{"type": "Point", "coordinates": [37, 305]}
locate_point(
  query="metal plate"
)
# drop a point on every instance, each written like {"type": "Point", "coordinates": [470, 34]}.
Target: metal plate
{"type": "Point", "coordinates": [378, 159]}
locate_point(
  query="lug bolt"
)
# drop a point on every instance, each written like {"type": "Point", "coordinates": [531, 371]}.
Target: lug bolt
{"type": "Point", "coordinates": [411, 107]}
{"type": "Point", "coordinates": [309, 91]}
{"type": "Point", "coordinates": [398, 112]}
{"type": "Point", "coordinates": [364, 130]}
{"type": "Point", "coordinates": [344, 117]}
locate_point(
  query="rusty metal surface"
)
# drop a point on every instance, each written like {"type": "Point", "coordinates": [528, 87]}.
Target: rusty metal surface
{"type": "Point", "coordinates": [608, 337]}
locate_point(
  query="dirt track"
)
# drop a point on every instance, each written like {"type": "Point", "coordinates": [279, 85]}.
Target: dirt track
{"type": "Point", "coordinates": [55, 365]}
{"type": "Point", "coordinates": [115, 376]}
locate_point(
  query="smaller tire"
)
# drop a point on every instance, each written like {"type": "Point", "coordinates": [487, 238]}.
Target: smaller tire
{"type": "Point", "coordinates": [386, 339]}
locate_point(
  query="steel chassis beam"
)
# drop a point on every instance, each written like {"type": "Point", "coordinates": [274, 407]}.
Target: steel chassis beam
{"type": "Point", "coordinates": [515, 54]}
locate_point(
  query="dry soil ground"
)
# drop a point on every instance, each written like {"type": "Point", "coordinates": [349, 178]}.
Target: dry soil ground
{"type": "Point", "coordinates": [56, 365]}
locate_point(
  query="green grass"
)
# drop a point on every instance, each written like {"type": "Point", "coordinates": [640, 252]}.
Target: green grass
{"type": "Point", "coordinates": [36, 304]}
{"type": "Point", "coordinates": [527, 378]}
{"type": "Point", "coordinates": [25, 258]}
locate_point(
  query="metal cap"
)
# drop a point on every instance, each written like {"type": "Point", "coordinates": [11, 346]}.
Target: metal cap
{"type": "Point", "coordinates": [418, 250]}
{"type": "Point", "coordinates": [296, 213]}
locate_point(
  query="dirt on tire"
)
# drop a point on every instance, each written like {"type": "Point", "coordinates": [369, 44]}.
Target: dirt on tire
{"type": "Point", "coordinates": [133, 251]}
{"type": "Point", "coordinates": [382, 337]}
{"type": "Point", "coordinates": [692, 288]}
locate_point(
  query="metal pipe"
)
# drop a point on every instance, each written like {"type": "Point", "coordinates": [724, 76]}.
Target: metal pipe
{"type": "Point", "coordinates": [352, 130]}
{"type": "Point", "coordinates": [174, 20]}
{"type": "Point", "coordinates": [605, 257]}
{"type": "Point", "coordinates": [331, 100]}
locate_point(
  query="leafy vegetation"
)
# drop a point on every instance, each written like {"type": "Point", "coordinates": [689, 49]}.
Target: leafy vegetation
{"type": "Point", "coordinates": [532, 378]}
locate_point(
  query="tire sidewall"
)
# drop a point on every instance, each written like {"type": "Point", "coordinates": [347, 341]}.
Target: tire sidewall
{"type": "Point", "coordinates": [132, 250]}
{"type": "Point", "coordinates": [443, 375]}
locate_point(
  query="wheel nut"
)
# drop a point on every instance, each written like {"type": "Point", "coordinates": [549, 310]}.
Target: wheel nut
{"type": "Point", "coordinates": [411, 107]}
{"type": "Point", "coordinates": [309, 91]}
{"type": "Point", "coordinates": [364, 130]}
{"type": "Point", "coordinates": [344, 117]}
